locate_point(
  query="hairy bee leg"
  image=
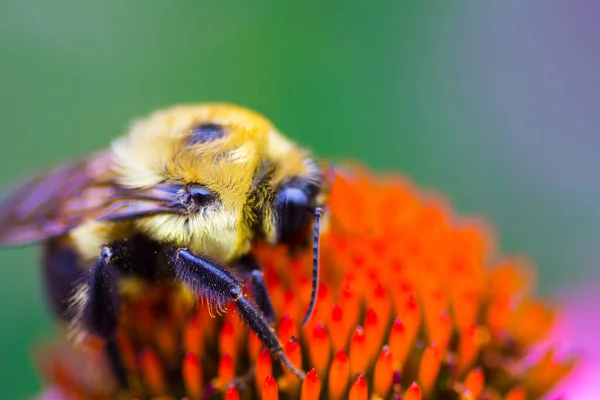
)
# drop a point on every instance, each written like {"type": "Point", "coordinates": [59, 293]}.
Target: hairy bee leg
{"type": "Point", "coordinates": [208, 279]}
{"type": "Point", "coordinates": [101, 311]}
{"type": "Point", "coordinates": [102, 307]}
{"type": "Point", "coordinates": [260, 295]}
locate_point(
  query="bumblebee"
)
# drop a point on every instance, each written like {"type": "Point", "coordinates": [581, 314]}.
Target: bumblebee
{"type": "Point", "coordinates": [181, 198]}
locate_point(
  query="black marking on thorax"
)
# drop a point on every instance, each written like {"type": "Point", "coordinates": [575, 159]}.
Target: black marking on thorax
{"type": "Point", "coordinates": [144, 258]}
{"type": "Point", "coordinates": [206, 132]}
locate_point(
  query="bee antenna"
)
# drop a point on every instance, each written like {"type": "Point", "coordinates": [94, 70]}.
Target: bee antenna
{"type": "Point", "coordinates": [315, 268]}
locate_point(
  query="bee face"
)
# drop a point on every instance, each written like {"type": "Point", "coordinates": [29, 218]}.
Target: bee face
{"type": "Point", "coordinates": [236, 177]}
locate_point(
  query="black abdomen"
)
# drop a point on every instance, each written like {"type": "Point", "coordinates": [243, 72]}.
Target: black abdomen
{"type": "Point", "coordinates": [62, 273]}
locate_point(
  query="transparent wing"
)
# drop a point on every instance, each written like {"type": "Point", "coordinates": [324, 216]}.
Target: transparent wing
{"type": "Point", "coordinates": [52, 203]}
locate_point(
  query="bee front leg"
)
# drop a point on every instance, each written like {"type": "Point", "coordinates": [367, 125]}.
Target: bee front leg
{"type": "Point", "coordinates": [101, 311]}
{"type": "Point", "coordinates": [251, 271]}
{"type": "Point", "coordinates": [207, 279]}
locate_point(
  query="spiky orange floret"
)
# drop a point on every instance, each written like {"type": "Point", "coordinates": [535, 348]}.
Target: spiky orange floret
{"type": "Point", "coordinates": [413, 303]}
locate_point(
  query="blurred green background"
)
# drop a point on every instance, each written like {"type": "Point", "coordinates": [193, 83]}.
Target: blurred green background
{"type": "Point", "coordinates": [493, 105]}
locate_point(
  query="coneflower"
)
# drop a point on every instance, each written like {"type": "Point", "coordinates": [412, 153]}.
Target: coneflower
{"type": "Point", "coordinates": [414, 303]}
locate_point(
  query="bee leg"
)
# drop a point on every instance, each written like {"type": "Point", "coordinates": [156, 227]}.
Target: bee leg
{"type": "Point", "coordinates": [102, 307]}
{"type": "Point", "coordinates": [210, 280]}
{"type": "Point", "coordinates": [101, 310]}
{"type": "Point", "coordinates": [260, 295]}
{"type": "Point", "coordinates": [63, 275]}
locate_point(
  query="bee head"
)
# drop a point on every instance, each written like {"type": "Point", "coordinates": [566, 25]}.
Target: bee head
{"type": "Point", "coordinates": [229, 169]}
{"type": "Point", "coordinates": [231, 176]}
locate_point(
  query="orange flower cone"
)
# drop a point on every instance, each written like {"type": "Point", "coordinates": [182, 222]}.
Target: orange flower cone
{"type": "Point", "coordinates": [414, 303]}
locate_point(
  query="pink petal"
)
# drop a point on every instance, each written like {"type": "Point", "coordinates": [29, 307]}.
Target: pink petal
{"type": "Point", "coordinates": [53, 393]}
{"type": "Point", "coordinates": [578, 332]}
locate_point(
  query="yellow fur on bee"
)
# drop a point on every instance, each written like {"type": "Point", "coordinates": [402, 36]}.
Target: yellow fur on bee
{"type": "Point", "coordinates": [156, 148]}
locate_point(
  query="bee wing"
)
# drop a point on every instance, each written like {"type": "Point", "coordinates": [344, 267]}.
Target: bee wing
{"type": "Point", "coordinates": [50, 204]}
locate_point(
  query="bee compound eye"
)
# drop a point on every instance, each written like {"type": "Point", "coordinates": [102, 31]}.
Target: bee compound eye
{"type": "Point", "coordinates": [206, 132]}
{"type": "Point", "coordinates": [293, 210]}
